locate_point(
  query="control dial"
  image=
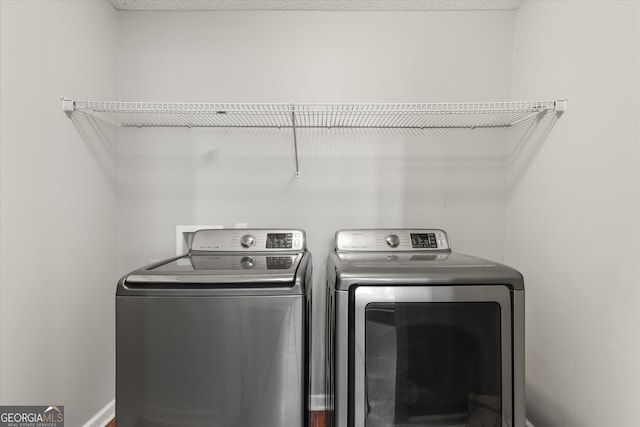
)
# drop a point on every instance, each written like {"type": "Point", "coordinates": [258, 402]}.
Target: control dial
{"type": "Point", "coordinates": [392, 241]}
{"type": "Point", "coordinates": [247, 241]}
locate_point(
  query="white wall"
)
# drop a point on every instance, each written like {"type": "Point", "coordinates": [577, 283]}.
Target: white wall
{"type": "Point", "coordinates": [375, 178]}
{"type": "Point", "coordinates": [565, 179]}
{"type": "Point", "coordinates": [573, 211]}
{"type": "Point", "coordinates": [58, 259]}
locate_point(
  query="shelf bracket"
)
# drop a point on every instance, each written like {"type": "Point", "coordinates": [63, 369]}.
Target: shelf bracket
{"type": "Point", "coordinates": [68, 106]}
{"type": "Point", "coordinates": [295, 139]}
{"type": "Point", "coordinates": [561, 105]}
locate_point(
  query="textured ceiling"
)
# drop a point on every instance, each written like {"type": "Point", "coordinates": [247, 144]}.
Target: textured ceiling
{"type": "Point", "coordinates": [339, 5]}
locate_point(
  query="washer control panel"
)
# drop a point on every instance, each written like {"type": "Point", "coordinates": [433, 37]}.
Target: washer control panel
{"type": "Point", "coordinates": [391, 240]}
{"type": "Point", "coordinates": [254, 240]}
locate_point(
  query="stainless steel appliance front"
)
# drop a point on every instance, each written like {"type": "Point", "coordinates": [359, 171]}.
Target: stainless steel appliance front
{"type": "Point", "coordinates": [214, 361]}
{"type": "Point", "coordinates": [217, 337]}
{"type": "Point", "coordinates": [423, 337]}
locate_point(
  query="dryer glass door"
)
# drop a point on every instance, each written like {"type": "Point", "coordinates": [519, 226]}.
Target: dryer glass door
{"type": "Point", "coordinates": [432, 356]}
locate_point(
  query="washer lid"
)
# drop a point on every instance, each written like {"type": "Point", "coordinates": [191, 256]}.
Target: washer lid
{"type": "Point", "coordinates": [251, 269]}
{"type": "Point", "coordinates": [410, 257]}
{"type": "Point", "coordinates": [418, 268]}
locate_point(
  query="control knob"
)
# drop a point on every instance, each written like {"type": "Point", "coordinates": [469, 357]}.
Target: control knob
{"type": "Point", "coordinates": [392, 241]}
{"type": "Point", "coordinates": [247, 241]}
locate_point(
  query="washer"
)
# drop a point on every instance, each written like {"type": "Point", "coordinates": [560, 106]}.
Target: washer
{"type": "Point", "coordinates": [421, 336]}
{"type": "Point", "coordinates": [217, 337]}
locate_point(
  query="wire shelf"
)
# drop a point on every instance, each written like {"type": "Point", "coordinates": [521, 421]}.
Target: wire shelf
{"type": "Point", "coordinates": [434, 115]}
{"type": "Point", "coordinates": [381, 116]}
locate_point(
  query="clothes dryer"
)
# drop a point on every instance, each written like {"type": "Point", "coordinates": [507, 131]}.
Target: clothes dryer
{"type": "Point", "coordinates": [421, 336]}
{"type": "Point", "coordinates": [217, 337]}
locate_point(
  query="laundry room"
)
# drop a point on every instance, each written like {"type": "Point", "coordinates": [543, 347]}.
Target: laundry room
{"type": "Point", "coordinates": [511, 125]}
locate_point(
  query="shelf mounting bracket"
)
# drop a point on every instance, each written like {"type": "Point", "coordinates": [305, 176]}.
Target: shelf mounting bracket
{"type": "Point", "coordinates": [68, 106]}
{"type": "Point", "coordinates": [561, 105]}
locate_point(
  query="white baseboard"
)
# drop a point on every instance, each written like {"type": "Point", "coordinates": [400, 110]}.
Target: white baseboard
{"type": "Point", "coordinates": [318, 402]}
{"type": "Point", "coordinates": [103, 416]}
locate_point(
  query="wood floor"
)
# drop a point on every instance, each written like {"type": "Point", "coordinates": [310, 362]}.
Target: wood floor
{"type": "Point", "coordinates": [318, 419]}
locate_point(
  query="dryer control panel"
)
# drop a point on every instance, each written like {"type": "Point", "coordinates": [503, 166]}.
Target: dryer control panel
{"type": "Point", "coordinates": [246, 239]}
{"type": "Point", "coordinates": [391, 240]}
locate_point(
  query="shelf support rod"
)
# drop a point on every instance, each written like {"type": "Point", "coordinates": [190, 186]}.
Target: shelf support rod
{"type": "Point", "coordinates": [295, 139]}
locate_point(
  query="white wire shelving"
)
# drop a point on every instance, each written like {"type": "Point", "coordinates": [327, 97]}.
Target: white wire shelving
{"type": "Point", "coordinates": [416, 116]}
{"type": "Point", "coordinates": [469, 115]}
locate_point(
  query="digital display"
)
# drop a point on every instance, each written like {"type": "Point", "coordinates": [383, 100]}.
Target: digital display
{"type": "Point", "coordinates": [424, 240]}
{"type": "Point", "coordinates": [279, 240]}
